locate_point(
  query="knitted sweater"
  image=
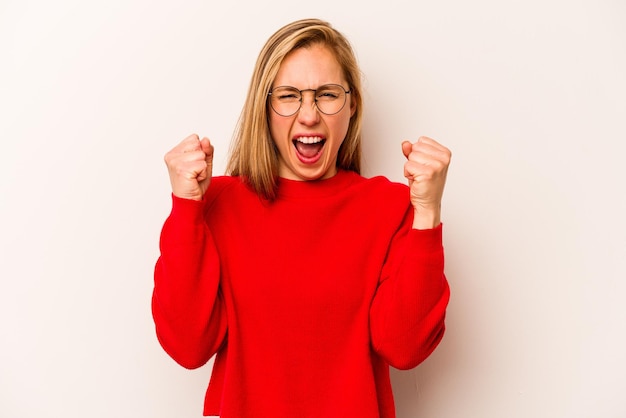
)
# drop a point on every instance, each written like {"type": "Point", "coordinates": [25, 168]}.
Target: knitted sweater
{"type": "Point", "coordinates": [306, 300]}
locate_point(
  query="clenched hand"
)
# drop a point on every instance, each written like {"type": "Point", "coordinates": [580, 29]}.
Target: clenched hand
{"type": "Point", "coordinates": [190, 166]}
{"type": "Point", "coordinates": [426, 169]}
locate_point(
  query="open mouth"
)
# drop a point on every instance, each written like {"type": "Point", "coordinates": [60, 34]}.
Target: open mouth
{"type": "Point", "coordinates": [309, 148]}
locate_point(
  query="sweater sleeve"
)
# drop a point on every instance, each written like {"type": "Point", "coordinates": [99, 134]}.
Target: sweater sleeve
{"type": "Point", "coordinates": [187, 304]}
{"type": "Point", "coordinates": [408, 311]}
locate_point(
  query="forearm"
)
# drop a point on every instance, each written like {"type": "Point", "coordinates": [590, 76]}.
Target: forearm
{"type": "Point", "coordinates": [187, 306]}
{"type": "Point", "coordinates": [426, 218]}
{"type": "Point", "coordinates": [408, 311]}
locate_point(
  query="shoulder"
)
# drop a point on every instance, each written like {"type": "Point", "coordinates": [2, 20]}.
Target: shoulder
{"type": "Point", "coordinates": [386, 198]}
{"type": "Point", "coordinates": [385, 185]}
{"type": "Point", "coordinates": [232, 187]}
{"type": "Point", "coordinates": [219, 183]}
{"type": "Point", "coordinates": [380, 187]}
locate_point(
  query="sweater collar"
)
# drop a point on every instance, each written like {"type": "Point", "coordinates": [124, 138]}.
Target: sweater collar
{"type": "Point", "coordinates": [316, 188]}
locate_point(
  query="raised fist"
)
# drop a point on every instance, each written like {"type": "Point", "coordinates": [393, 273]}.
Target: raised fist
{"type": "Point", "coordinates": [190, 165]}
{"type": "Point", "coordinates": [426, 169]}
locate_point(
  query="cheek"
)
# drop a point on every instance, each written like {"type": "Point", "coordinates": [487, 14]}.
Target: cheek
{"type": "Point", "coordinates": [278, 127]}
{"type": "Point", "coordinates": [341, 127]}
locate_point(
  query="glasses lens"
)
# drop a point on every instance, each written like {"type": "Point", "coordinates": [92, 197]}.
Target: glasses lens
{"type": "Point", "coordinates": [330, 99]}
{"type": "Point", "coordinates": [285, 100]}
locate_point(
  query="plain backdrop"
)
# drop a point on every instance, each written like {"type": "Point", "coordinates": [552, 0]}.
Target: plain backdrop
{"type": "Point", "coordinates": [530, 96]}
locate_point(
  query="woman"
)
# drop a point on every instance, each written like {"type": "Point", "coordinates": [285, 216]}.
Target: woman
{"type": "Point", "coordinates": [307, 280]}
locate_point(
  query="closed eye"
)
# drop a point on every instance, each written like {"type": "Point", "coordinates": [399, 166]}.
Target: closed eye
{"type": "Point", "coordinates": [291, 96]}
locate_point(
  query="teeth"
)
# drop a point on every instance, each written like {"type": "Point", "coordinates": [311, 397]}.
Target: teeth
{"type": "Point", "coordinates": [309, 139]}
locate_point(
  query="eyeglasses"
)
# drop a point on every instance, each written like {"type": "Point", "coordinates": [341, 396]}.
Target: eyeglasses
{"type": "Point", "coordinates": [329, 99]}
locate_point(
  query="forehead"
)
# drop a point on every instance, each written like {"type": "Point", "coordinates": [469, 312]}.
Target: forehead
{"type": "Point", "coordinates": [309, 67]}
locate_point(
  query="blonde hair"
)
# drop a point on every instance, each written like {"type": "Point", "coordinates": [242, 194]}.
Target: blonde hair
{"type": "Point", "coordinates": [253, 154]}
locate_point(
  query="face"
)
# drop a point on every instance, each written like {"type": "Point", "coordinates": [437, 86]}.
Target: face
{"type": "Point", "coordinates": [308, 141]}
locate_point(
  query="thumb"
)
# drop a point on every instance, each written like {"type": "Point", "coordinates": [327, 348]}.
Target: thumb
{"type": "Point", "coordinates": [207, 148]}
{"type": "Point", "coordinates": [406, 148]}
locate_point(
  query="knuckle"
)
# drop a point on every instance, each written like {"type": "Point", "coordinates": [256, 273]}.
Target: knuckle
{"type": "Point", "coordinates": [438, 165]}
{"type": "Point", "coordinates": [168, 158]}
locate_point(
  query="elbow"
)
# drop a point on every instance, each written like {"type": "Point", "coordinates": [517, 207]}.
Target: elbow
{"type": "Point", "coordinates": [190, 363]}
{"type": "Point", "coordinates": [409, 351]}
{"type": "Point", "coordinates": [189, 344]}
{"type": "Point", "coordinates": [184, 347]}
{"type": "Point", "coordinates": [180, 353]}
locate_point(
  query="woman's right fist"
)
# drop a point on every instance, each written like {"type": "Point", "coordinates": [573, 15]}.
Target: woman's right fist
{"type": "Point", "coordinates": [190, 165]}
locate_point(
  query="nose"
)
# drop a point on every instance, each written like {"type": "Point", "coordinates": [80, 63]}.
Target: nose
{"type": "Point", "coordinates": [308, 113]}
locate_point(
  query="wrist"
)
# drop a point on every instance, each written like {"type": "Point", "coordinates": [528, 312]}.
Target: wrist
{"type": "Point", "coordinates": [426, 219]}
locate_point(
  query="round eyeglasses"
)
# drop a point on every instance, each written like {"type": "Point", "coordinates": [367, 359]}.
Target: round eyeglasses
{"type": "Point", "coordinates": [329, 99]}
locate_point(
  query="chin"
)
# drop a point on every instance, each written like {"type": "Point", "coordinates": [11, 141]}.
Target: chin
{"type": "Point", "coordinates": [312, 174]}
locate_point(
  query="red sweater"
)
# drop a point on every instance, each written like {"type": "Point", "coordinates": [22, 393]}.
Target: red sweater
{"type": "Point", "coordinates": [306, 300]}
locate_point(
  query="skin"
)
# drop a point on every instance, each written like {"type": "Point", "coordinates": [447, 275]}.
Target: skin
{"type": "Point", "coordinates": [310, 68]}
{"type": "Point", "coordinates": [190, 167]}
{"type": "Point", "coordinates": [190, 162]}
{"type": "Point", "coordinates": [426, 169]}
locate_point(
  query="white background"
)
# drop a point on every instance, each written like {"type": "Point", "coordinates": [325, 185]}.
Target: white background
{"type": "Point", "coordinates": [529, 95]}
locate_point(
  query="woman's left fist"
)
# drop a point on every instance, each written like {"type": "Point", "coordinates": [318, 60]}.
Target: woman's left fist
{"type": "Point", "coordinates": [426, 169]}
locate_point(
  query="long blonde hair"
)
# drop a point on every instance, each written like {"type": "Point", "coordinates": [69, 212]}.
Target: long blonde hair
{"type": "Point", "coordinates": [253, 154]}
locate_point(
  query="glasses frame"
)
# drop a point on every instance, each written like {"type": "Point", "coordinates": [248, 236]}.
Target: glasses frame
{"type": "Point", "coordinates": [345, 98]}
